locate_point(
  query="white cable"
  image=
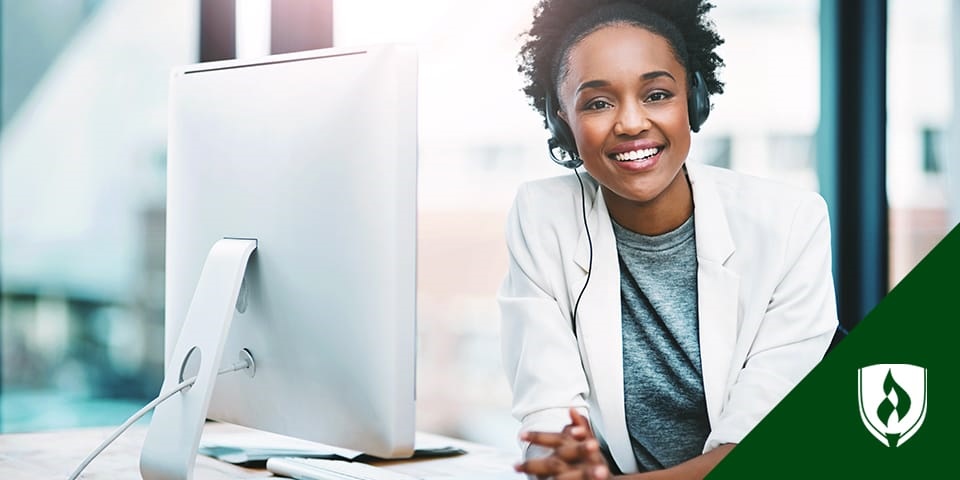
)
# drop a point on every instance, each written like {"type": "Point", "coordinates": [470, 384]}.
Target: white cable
{"type": "Point", "coordinates": [143, 411]}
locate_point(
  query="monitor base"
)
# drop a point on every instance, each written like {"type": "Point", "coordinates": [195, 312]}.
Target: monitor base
{"type": "Point", "coordinates": [170, 448]}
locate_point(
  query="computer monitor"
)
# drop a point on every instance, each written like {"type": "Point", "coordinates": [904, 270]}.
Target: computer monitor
{"type": "Point", "coordinates": [306, 164]}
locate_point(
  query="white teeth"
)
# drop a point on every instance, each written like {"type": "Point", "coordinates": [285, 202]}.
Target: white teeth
{"type": "Point", "coordinates": [636, 154]}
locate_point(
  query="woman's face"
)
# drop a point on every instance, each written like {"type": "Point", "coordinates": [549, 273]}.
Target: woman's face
{"type": "Point", "coordinates": [625, 98]}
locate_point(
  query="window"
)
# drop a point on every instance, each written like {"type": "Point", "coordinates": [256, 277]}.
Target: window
{"type": "Point", "coordinates": [713, 151]}
{"type": "Point", "coordinates": [922, 126]}
{"type": "Point", "coordinates": [82, 162]}
{"type": "Point", "coordinates": [768, 114]}
{"type": "Point", "coordinates": [933, 145]}
{"type": "Point", "coordinates": [791, 152]}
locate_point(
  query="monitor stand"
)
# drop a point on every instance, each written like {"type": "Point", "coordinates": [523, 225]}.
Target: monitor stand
{"type": "Point", "coordinates": [170, 449]}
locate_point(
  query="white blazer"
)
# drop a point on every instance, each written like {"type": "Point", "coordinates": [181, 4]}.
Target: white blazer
{"type": "Point", "coordinates": [767, 311]}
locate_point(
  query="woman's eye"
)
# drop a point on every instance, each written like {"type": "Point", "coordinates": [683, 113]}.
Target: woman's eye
{"type": "Point", "coordinates": [658, 96]}
{"type": "Point", "coordinates": [597, 105]}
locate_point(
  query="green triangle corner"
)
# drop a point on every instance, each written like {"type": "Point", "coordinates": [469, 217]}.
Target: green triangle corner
{"type": "Point", "coordinates": [817, 431]}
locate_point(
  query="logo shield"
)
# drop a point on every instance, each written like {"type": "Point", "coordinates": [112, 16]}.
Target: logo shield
{"type": "Point", "coordinates": [893, 401]}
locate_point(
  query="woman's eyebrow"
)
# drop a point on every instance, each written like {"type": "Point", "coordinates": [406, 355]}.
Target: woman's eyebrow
{"type": "Point", "coordinates": [657, 73]}
{"type": "Point", "coordinates": [592, 84]}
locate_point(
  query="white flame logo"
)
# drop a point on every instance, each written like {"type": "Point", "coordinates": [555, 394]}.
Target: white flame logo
{"type": "Point", "coordinates": [893, 401]}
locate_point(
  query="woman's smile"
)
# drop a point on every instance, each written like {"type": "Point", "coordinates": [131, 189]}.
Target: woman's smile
{"type": "Point", "coordinates": [636, 156]}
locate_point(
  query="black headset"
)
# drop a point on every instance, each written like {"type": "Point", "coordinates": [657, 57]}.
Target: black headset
{"type": "Point", "coordinates": [563, 148]}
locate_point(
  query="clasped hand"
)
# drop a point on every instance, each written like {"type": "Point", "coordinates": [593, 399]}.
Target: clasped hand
{"type": "Point", "coordinates": [575, 453]}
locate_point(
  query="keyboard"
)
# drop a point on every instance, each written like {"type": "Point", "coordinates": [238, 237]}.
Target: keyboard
{"type": "Point", "coordinates": [323, 469]}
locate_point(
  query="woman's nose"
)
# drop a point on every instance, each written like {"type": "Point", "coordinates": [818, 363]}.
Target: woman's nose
{"type": "Point", "coordinates": [632, 119]}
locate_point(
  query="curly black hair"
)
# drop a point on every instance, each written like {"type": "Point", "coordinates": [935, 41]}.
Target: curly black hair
{"type": "Point", "coordinates": [558, 24]}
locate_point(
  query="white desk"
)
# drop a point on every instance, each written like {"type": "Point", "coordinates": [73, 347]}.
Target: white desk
{"type": "Point", "coordinates": [54, 455]}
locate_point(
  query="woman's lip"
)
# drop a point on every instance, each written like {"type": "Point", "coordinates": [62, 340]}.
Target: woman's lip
{"type": "Point", "coordinates": [645, 151]}
{"type": "Point", "coordinates": [646, 164]}
{"type": "Point", "coordinates": [632, 146]}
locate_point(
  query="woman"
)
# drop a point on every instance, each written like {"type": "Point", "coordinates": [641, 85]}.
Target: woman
{"type": "Point", "coordinates": [654, 311]}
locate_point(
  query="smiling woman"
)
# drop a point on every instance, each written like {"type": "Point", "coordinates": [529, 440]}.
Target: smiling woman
{"type": "Point", "coordinates": [654, 310]}
{"type": "Point", "coordinates": [608, 114]}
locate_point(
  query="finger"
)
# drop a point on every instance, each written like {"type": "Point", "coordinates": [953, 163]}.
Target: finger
{"type": "Point", "coordinates": [594, 455]}
{"type": "Point", "coordinates": [580, 421]}
{"type": "Point", "coordinates": [576, 431]}
{"type": "Point", "coordinates": [575, 452]}
{"type": "Point", "coordinates": [573, 475]}
{"type": "Point", "coordinates": [544, 439]}
{"type": "Point", "coordinates": [547, 466]}
{"type": "Point", "coordinates": [576, 418]}
{"type": "Point", "coordinates": [585, 472]}
{"type": "Point", "coordinates": [580, 433]}
{"type": "Point", "coordinates": [585, 452]}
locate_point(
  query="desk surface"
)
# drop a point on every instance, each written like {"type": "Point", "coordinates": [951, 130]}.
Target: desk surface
{"type": "Point", "coordinates": [54, 455]}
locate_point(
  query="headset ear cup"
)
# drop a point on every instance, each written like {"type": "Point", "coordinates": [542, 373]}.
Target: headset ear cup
{"type": "Point", "coordinates": [698, 102]}
{"type": "Point", "coordinates": [562, 137]}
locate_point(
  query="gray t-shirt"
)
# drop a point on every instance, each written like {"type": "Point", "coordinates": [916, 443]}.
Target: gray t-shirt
{"type": "Point", "coordinates": [666, 410]}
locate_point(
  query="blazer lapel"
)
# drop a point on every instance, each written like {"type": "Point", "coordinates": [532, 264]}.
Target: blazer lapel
{"type": "Point", "coordinates": [599, 329]}
{"type": "Point", "coordinates": [582, 254]}
{"type": "Point", "coordinates": [717, 288]}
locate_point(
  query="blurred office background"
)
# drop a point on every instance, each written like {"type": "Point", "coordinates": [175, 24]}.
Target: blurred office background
{"type": "Point", "coordinates": [82, 171]}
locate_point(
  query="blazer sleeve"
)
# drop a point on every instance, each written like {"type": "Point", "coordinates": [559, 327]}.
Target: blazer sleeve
{"type": "Point", "coordinates": [797, 327]}
{"type": "Point", "coordinates": [539, 351]}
